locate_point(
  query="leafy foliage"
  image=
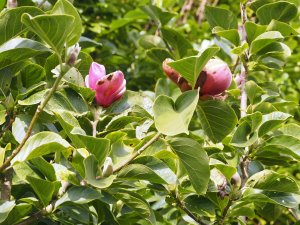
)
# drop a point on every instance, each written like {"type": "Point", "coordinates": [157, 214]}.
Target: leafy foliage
{"type": "Point", "coordinates": [156, 155]}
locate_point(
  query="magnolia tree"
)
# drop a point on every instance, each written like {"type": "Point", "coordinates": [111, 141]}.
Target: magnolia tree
{"type": "Point", "coordinates": [216, 141]}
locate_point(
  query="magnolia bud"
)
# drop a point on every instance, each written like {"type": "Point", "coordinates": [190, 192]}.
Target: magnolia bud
{"type": "Point", "coordinates": [236, 180]}
{"type": "Point", "coordinates": [108, 167]}
{"type": "Point", "coordinates": [11, 4]}
{"type": "Point", "coordinates": [109, 88]}
{"type": "Point", "coordinates": [215, 78]}
{"type": "Point", "coordinates": [72, 54]}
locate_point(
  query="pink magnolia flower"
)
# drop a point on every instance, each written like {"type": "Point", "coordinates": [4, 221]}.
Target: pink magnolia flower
{"type": "Point", "coordinates": [109, 88]}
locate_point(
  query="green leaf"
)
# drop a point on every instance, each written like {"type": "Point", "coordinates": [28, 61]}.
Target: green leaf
{"type": "Point", "coordinates": [272, 121]}
{"type": "Point", "coordinates": [246, 133]}
{"type": "Point", "coordinates": [174, 118]}
{"type": "Point", "coordinates": [159, 16]}
{"type": "Point", "coordinates": [158, 55]}
{"type": "Point", "coordinates": [281, 10]}
{"type": "Point", "coordinates": [151, 41]}
{"type": "Point", "coordinates": [140, 172]}
{"type": "Point", "coordinates": [177, 41]}
{"type": "Point", "coordinates": [99, 147]}
{"type": "Point", "coordinates": [19, 49]}
{"type": "Point", "coordinates": [78, 195]}
{"type": "Point", "coordinates": [285, 29]}
{"type": "Point", "coordinates": [157, 165]}
{"type": "Point", "coordinates": [190, 67]}
{"type": "Point", "coordinates": [220, 17]}
{"type": "Point", "coordinates": [41, 144]}
{"type": "Point", "coordinates": [18, 212]}
{"type": "Point", "coordinates": [265, 39]}
{"type": "Point", "coordinates": [45, 167]}
{"type": "Point", "coordinates": [199, 205]}
{"type": "Point", "coordinates": [280, 198]}
{"type": "Point", "coordinates": [253, 90]}
{"type": "Point", "coordinates": [195, 161]}
{"type": "Point", "coordinates": [291, 129]}
{"type": "Point", "coordinates": [5, 208]}
{"type": "Point", "coordinates": [32, 74]}
{"type": "Point", "coordinates": [231, 35]}
{"type": "Point", "coordinates": [66, 8]}
{"type": "Point", "coordinates": [53, 29]}
{"type": "Point", "coordinates": [217, 119]}
{"type": "Point", "coordinates": [91, 169]}
{"type": "Point", "coordinates": [271, 155]}
{"type": "Point", "coordinates": [269, 180]}
{"type": "Point", "coordinates": [34, 99]}
{"type": "Point", "coordinates": [20, 126]}
{"type": "Point", "coordinates": [253, 30]}
{"type": "Point", "coordinates": [43, 188]}
{"type": "Point", "coordinates": [10, 22]}
{"type": "Point", "coordinates": [136, 203]}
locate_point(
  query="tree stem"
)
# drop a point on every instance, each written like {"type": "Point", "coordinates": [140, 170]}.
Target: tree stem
{"type": "Point", "coordinates": [243, 76]}
{"type": "Point", "coordinates": [183, 208]}
{"type": "Point", "coordinates": [38, 111]}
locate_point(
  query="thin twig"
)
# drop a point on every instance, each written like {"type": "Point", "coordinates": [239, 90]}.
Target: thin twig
{"type": "Point", "coordinates": [6, 183]}
{"type": "Point", "coordinates": [181, 205]}
{"type": "Point", "coordinates": [41, 4]}
{"type": "Point", "coordinates": [225, 211]}
{"type": "Point", "coordinates": [200, 11]}
{"type": "Point", "coordinates": [11, 121]}
{"type": "Point", "coordinates": [138, 152]}
{"type": "Point", "coordinates": [186, 8]}
{"type": "Point", "coordinates": [38, 111]}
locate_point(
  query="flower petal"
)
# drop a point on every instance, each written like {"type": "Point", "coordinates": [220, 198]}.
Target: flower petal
{"type": "Point", "coordinates": [96, 72]}
{"type": "Point", "coordinates": [110, 88]}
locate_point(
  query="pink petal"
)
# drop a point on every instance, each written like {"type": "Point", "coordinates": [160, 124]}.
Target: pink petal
{"type": "Point", "coordinates": [96, 72]}
{"type": "Point", "coordinates": [110, 88]}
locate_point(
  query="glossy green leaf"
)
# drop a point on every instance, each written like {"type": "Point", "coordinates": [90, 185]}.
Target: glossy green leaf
{"type": "Point", "coordinates": [280, 10]}
{"type": "Point", "coordinates": [191, 67]}
{"type": "Point", "coordinates": [231, 35]}
{"type": "Point", "coordinates": [269, 180]}
{"type": "Point", "coordinates": [253, 30]}
{"type": "Point", "coordinates": [220, 17]}
{"type": "Point", "coordinates": [91, 169]}
{"type": "Point", "coordinates": [160, 167]}
{"type": "Point", "coordinates": [78, 195]}
{"type": "Point", "coordinates": [158, 55]}
{"type": "Point", "coordinates": [157, 14]}
{"type": "Point", "coordinates": [151, 41]}
{"type": "Point", "coordinates": [43, 188]}
{"type": "Point", "coordinates": [177, 41]}
{"type": "Point", "coordinates": [136, 203]}
{"type": "Point", "coordinates": [199, 205]}
{"type": "Point", "coordinates": [64, 7]}
{"type": "Point", "coordinates": [41, 144]}
{"type": "Point", "coordinates": [140, 172]}
{"type": "Point", "coordinates": [284, 28]}
{"type": "Point", "coordinates": [19, 49]}
{"type": "Point", "coordinates": [18, 213]}
{"type": "Point", "coordinates": [10, 22]}
{"type": "Point", "coordinates": [173, 118]}
{"type": "Point", "coordinates": [5, 209]}
{"type": "Point", "coordinates": [194, 160]}
{"type": "Point", "coordinates": [217, 119]}
{"type": "Point", "coordinates": [272, 121]}
{"type": "Point", "coordinates": [20, 126]}
{"type": "Point", "coordinates": [265, 39]}
{"type": "Point", "coordinates": [45, 167]}
{"type": "Point", "coordinates": [53, 29]}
